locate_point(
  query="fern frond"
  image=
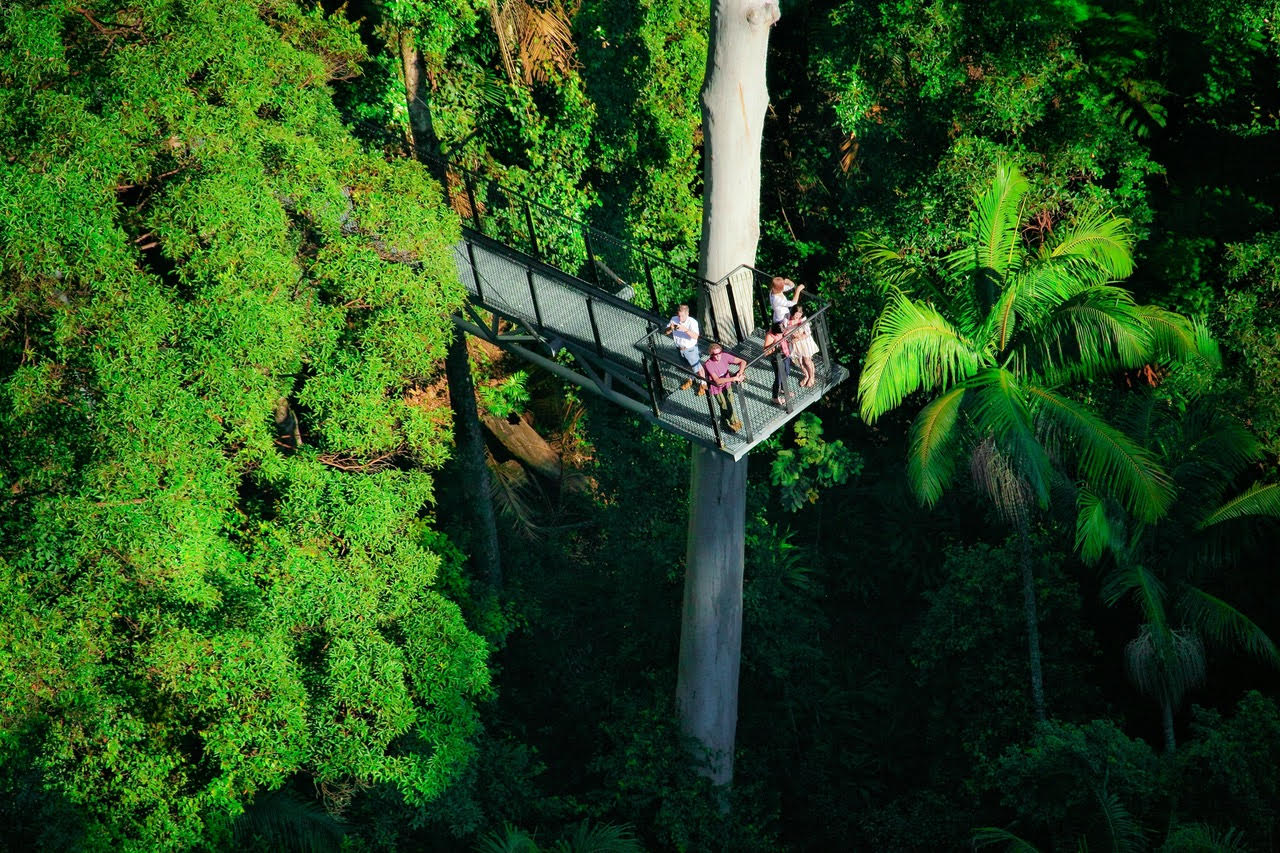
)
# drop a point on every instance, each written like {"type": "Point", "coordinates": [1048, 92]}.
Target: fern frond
{"type": "Point", "coordinates": [913, 347]}
{"type": "Point", "coordinates": [1109, 460]}
{"type": "Point", "coordinates": [932, 456]}
{"type": "Point", "coordinates": [1261, 500]}
{"type": "Point", "coordinates": [1225, 625]}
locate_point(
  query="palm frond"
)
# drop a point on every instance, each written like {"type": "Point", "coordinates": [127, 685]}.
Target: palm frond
{"type": "Point", "coordinates": [1100, 239]}
{"type": "Point", "coordinates": [1095, 531]}
{"type": "Point", "coordinates": [1000, 411]}
{"type": "Point", "coordinates": [1176, 338]}
{"type": "Point", "coordinates": [1090, 334]}
{"type": "Point", "coordinates": [600, 838]}
{"type": "Point", "coordinates": [894, 276]}
{"type": "Point", "coordinates": [913, 347]}
{"type": "Point", "coordinates": [989, 836]}
{"type": "Point", "coordinates": [1109, 460]}
{"type": "Point", "coordinates": [1225, 625]}
{"type": "Point", "coordinates": [510, 840]}
{"type": "Point", "coordinates": [993, 222]}
{"type": "Point", "coordinates": [1165, 664]}
{"type": "Point", "coordinates": [1202, 838]}
{"type": "Point", "coordinates": [1145, 587]}
{"type": "Point", "coordinates": [1261, 500]}
{"type": "Point", "coordinates": [932, 456]}
{"type": "Point", "coordinates": [1126, 834]}
{"type": "Point", "coordinates": [286, 820]}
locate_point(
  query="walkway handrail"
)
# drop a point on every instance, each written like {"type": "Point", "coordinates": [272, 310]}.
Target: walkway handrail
{"type": "Point", "coordinates": [570, 244]}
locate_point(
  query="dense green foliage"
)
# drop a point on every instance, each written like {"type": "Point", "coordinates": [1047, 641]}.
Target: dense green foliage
{"type": "Point", "coordinates": [229, 582]}
{"type": "Point", "coordinates": [201, 601]}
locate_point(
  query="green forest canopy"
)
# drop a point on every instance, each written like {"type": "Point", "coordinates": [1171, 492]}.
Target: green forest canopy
{"type": "Point", "coordinates": [229, 555]}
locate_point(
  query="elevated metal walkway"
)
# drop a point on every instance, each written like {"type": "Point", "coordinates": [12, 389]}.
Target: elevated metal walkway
{"type": "Point", "coordinates": [526, 268]}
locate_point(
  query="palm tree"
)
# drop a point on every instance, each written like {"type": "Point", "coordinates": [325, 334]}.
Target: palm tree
{"type": "Point", "coordinates": [1163, 565]}
{"type": "Point", "coordinates": [1012, 321]}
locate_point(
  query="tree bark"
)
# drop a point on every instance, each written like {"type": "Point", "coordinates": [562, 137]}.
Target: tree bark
{"type": "Point", "coordinates": [734, 99]}
{"type": "Point", "coordinates": [473, 481]}
{"type": "Point", "coordinates": [473, 473]}
{"type": "Point", "coordinates": [1031, 616]}
{"type": "Point", "coordinates": [711, 630]}
{"type": "Point", "coordinates": [1166, 718]}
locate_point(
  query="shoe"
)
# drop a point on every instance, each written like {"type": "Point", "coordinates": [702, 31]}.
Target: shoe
{"type": "Point", "coordinates": [781, 401]}
{"type": "Point", "coordinates": [702, 390]}
{"type": "Point", "coordinates": [733, 425]}
{"type": "Point", "coordinates": [686, 385]}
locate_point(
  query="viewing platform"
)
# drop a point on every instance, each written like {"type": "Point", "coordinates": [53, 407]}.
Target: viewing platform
{"type": "Point", "coordinates": [542, 284]}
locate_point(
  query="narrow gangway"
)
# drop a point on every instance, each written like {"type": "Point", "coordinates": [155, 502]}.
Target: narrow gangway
{"type": "Point", "coordinates": [541, 283]}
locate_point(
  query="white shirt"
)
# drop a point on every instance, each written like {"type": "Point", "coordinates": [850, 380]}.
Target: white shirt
{"type": "Point", "coordinates": [781, 305]}
{"type": "Point", "coordinates": [682, 337]}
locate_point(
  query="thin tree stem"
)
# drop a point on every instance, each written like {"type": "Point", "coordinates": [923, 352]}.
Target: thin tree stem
{"type": "Point", "coordinates": [1032, 619]}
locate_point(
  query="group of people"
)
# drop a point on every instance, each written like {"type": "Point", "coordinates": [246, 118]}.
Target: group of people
{"type": "Point", "coordinates": [789, 337]}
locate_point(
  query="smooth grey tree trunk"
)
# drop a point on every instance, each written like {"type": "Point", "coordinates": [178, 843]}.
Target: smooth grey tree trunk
{"type": "Point", "coordinates": [1166, 718]}
{"type": "Point", "coordinates": [734, 99]}
{"type": "Point", "coordinates": [473, 480]}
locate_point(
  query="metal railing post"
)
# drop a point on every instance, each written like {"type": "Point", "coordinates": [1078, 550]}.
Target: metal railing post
{"type": "Point", "coordinates": [591, 255]}
{"type": "Point", "coordinates": [819, 330]}
{"type": "Point", "coordinates": [657, 366]}
{"type": "Point", "coordinates": [533, 294]}
{"type": "Point", "coordinates": [471, 199]}
{"type": "Point", "coordinates": [475, 271]}
{"type": "Point", "coordinates": [653, 291]}
{"type": "Point", "coordinates": [711, 311]}
{"type": "Point", "coordinates": [733, 307]}
{"type": "Point", "coordinates": [595, 329]}
{"type": "Point", "coordinates": [533, 238]}
{"type": "Point", "coordinates": [649, 382]}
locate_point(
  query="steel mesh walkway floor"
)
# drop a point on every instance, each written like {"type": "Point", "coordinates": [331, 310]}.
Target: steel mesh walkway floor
{"type": "Point", "coordinates": [566, 311]}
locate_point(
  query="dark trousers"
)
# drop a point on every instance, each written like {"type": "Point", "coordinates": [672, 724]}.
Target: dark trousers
{"type": "Point", "coordinates": [724, 401]}
{"type": "Point", "coordinates": [781, 368]}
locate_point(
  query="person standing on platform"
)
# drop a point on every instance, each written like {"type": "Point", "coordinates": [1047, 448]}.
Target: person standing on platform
{"type": "Point", "coordinates": [779, 304]}
{"type": "Point", "coordinates": [777, 345]}
{"type": "Point", "coordinates": [720, 380]}
{"type": "Point", "coordinates": [802, 345]}
{"type": "Point", "coordinates": [684, 331]}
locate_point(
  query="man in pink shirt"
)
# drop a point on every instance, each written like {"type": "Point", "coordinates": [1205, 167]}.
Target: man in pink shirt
{"type": "Point", "coordinates": [719, 379]}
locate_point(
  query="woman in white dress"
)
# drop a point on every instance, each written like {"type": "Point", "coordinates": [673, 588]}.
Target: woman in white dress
{"type": "Point", "coordinates": [803, 348]}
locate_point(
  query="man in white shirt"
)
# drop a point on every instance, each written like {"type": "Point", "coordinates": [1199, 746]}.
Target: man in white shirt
{"type": "Point", "coordinates": [683, 329]}
{"type": "Point", "coordinates": [778, 302]}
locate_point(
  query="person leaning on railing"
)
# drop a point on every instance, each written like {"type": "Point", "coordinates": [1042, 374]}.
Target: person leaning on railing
{"type": "Point", "coordinates": [683, 329]}
{"type": "Point", "coordinates": [720, 380]}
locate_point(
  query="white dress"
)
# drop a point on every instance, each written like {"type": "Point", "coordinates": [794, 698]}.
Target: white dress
{"type": "Point", "coordinates": [802, 342]}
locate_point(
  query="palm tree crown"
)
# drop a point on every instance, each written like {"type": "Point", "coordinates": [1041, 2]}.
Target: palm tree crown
{"type": "Point", "coordinates": [1025, 320]}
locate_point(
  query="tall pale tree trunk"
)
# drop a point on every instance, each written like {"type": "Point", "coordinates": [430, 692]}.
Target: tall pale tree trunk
{"type": "Point", "coordinates": [734, 99]}
{"type": "Point", "coordinates": [473, 479]}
